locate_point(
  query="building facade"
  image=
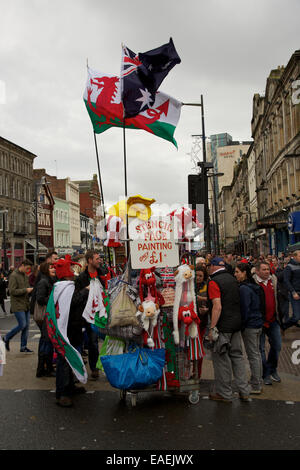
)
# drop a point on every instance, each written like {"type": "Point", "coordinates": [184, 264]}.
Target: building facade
{"type": "Point", "coordinates": [16, 190]}
{"type": "Point", "coordinates": [276, 134]}
{"type": "Point", "coordinates": [86, 232]}
{"type": "Point", "coordinates": [43, 205]}
{"type": "Point", "coordinates": [66, 190]}
{"type": "Point", "coordinates": [62, 227]}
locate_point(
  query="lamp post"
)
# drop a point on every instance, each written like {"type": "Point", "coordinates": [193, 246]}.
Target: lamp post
{"type": "Point", "coordinates": [215, 175]}
{"type": "Point", "coordinates": [222, 211]}
{"type": "Point", "coordinates": [4, 212]}
{"type": "Point", "coordinates": [203, 181]}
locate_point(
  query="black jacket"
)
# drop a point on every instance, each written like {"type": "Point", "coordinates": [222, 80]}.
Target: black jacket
{"type": "Point", "coordinates": [230, 319]}
{"type": "Point", "coordinates": [252, 305]}
{"type": "Point", "coordinates": [41, 291]}
{"type": "Point", "coordinates": [3, 287]}
{"type": "Point", "coordinates": [291, 276]}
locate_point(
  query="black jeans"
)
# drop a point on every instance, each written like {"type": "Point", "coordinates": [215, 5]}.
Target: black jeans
{"type": "Point", "coordinates": [64, 377]}
{"type": "Point", "coordinates": [92, 346]}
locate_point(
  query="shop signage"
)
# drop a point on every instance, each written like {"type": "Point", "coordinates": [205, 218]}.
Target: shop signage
{"type": "Point", "coordinates": [153, 243]}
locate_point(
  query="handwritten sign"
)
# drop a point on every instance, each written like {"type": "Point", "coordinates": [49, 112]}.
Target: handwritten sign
{"type": "Point", "coordinates": [153, 243]}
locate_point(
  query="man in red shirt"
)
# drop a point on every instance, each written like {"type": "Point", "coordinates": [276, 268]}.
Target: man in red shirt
{"type": "Point", "coordinates": [271, 327]}
{"type": "Point", "coordinates": [225, 332]}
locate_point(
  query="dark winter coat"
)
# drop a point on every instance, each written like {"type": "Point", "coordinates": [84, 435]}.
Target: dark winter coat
{"type": "Point", "coordinates": [43, 289]}
{"type": "Point", "coordinates": [252, 305]}
{"type": "Point", "coordinates": [291, 276]}
{"type": "Point", "coordinates": [3, 287]}
{"type": "Point", "coordinates": [18, 285]}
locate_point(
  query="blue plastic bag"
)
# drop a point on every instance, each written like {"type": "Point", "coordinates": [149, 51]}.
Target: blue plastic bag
{"type": "Point", "coordinates": [136, 369]}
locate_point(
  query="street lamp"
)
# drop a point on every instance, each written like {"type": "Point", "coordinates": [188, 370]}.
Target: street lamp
{"type": "Point", "coordinates": [215, 175]}
{"type": "Point", "coordinates": [205, 166]}
{"type": "Point", "coordinates": [222, 211]}
{"type": "Point", "coordinates": [4, 212]}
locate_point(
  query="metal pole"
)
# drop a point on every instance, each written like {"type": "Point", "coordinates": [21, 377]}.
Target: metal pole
{"type": "Point", "coordinates": [203, 130]}
{"type": "Point", "coordinates": [127, 228]}
{"type": "Point", "coordinates": [101, 191]}
{"type": "Point", "coordinates": [204, 178]}
{"type": "Point", "coordinates": [36, 225]}
{"type": "Point", "coordinates": [216, 217]}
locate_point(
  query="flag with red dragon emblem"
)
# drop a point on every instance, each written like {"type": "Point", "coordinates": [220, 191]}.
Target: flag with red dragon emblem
{"type": "Point", "coordinates": [57, 317]}
{"type": "Point", "coordinates": [102, 97]}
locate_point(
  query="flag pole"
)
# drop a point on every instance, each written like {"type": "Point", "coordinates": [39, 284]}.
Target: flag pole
{"type": "Point", "coordinates": [126, 196]}
{"type": "Point", "coordinates": [101, 191]}
{"type": "Point", "coordinates": [125, 179]}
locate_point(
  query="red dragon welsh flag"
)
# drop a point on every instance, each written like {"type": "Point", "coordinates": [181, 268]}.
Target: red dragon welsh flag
{"type": "Point", "coordinates": [102, 97]}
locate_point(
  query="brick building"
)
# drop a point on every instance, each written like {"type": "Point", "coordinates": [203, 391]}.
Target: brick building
{"type": "Point", "coordinates": [16, 191]}
{"type": "Point", "coordinates": [66, 190]}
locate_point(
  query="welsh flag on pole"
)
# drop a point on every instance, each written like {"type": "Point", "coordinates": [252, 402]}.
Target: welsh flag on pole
{"type": "Point", "coordinates": [57, 317]}
{"type": "Point", "coordinates": [102, 97]}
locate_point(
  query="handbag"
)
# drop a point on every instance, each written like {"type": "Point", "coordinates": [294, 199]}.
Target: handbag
{"type": "Point", "coordinates": [123, 310]}
{"type": "Point", "coordinates": [39, 312]}
{"type": "Point", "coordinates": [136, 369]}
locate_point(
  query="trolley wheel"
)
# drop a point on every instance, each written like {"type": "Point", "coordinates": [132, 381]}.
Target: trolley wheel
{"type": "Point", "coordinates": [133, 399]}
{"type": "Point", "coordinates": [123, 395]}
{"type": "Point", "coordinates": [194, 397]}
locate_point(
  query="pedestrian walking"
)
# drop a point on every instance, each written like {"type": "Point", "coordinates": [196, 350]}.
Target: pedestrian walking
{"type": "Point", "coordinates": [291, 278]}
{"type": "Point", "coordinates": [251, 297]}
{"type": "Point", "coordinates": [271, 327]}
{"type": "Point", "coordinates": [284, 305]}
{"type": "Point", "coordinates": [225, 333]}
{"type": "Point", "coordinates": [19, 298]}
{"type": "Point", "coordinates": [42, 292]}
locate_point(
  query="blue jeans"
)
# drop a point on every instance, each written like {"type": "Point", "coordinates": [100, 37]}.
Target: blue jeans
{"type": "Point", "coordinates": [274, 336]}
{"type": "Point", "coordinates": [23, 319]}
{"type": "Point", "coordinates": [296, 312]}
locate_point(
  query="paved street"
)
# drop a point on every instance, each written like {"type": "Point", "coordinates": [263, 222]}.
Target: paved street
{"type": "Point", "coordinates": [30, 419]}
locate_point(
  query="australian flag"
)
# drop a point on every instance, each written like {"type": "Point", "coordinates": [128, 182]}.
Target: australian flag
{"type": "Point", "coordinates": [142, 75]}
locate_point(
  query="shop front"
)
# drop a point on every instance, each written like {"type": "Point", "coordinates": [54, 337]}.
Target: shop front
{"type": "Point", "coordinates": [294, 227]}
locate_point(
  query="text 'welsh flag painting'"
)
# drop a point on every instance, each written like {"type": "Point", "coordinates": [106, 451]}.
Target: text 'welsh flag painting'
{"type": "Point", "coordinates": [102, 97]}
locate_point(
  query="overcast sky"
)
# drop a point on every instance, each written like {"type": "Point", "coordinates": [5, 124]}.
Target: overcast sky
{"type": "Point", "coordinates": [227, 49]}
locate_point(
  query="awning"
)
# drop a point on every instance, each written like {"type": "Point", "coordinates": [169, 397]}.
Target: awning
{"type": "Point", "coordinates": [32, 243]}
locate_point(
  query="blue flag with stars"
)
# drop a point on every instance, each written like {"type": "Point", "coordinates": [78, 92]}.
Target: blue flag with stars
{"type": "Point", "coordinates": [142, 75]}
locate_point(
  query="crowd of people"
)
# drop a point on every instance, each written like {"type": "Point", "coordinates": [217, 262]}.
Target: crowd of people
{"type": "Point", "coordinates": [29, 289]}
{"type": "Point", "coordinates": [240, 300]}
{"type": "Point", "coordinates": [247, 300]}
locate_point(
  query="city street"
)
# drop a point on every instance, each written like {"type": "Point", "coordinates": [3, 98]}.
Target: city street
{"type": "Point", "coordinates": [150, 197]}
{"type": "Point", "coordinates": [99, 420]}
